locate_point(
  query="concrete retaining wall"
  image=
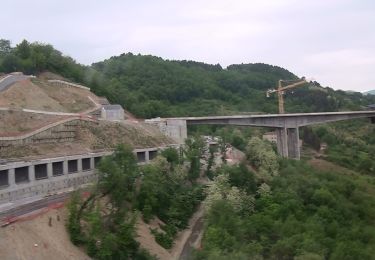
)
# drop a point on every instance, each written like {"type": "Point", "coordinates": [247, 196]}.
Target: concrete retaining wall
{"type": "Point", "coordinates": [59, 132]}
{"type": "Point", "coordinates": [62, 83]}
{"type": "Point", "coordinates": [71, 173]}
{"type": "Point", "coordinates": [174, 128]}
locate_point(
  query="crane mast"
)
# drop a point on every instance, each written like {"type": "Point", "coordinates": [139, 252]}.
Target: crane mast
{"type": "Point", "coordinates": [281, 90]}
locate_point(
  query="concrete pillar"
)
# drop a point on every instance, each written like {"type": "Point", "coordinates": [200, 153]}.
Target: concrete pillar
{"type": "Point", "coordinates": [31, 173]}
{"type": "Point", "coordinates": [147, 156]}
{"type": "Point", "coordinates": [11, 178]}
{"type": "Point", "coordinates": [176, 129]}
{"type": "Point", "coordinates": [92, 163]}
{"type": "Point", "coordinates": [49, 170]}
{"type": "Point", "coordinates": [293, 143]}
{"type": "Point", "coordinates": [282, 143]}
{"type": "Point", "coordinates": [65, 167]}
{"type": "Point", "coordinates": [372, 120]}
{"type": "Point", "coordinates": [79, 165]}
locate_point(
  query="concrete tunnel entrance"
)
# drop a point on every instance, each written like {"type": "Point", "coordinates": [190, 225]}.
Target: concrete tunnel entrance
{"type": "Point", "coordinates": [141, 157]}
{"type": "Point", "coordinates": [40, 171]}
{"type": "Point", "coordinates": [21, 174]}
{"type": "Point", "coordinates": [86, 164]}
{"type": "Point", "coordinates": [4, 178]}
{"type": "Point", "coordinates": [72, 166]}
{"type": "Point", "coordinates": [152, 154]}
{"type": "Point", "coordinates": [57, 168]}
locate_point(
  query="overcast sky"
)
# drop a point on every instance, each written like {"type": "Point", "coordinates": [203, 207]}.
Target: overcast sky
{"type": "Point", "coordinates": [332, 41]}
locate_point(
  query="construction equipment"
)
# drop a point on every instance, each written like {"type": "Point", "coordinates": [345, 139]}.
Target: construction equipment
{"type": "Point", "coordinates": [281, 90]}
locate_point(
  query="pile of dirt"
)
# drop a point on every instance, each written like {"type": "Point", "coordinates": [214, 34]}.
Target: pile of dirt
{"type": "Point", "coordinates": [109, 134]}
{"type": "Point", "coordinates": [18, 122]}
{"type": "Point", "coordinates": [37, 151]}
{"type": "Point", "coordinates": [36, 239]}
{"type": "Point", "coordinates": [92, 137]}
{"type": "Point", "coordinates": [39, 94]}
{"type": "Point", "coordinates": [147, 239]}
{"type": "Point", "coordinates": [70, 98]}
{"type": "Point", "coordinates": [25, 94]}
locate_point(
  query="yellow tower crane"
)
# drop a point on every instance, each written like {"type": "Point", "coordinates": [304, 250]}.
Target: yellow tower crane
{"type": "Point", "coordinates": [281, 90]}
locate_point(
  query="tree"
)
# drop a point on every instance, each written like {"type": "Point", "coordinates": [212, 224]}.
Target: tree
{"type": "Point", "coordinates": [262, 156]}
{"type": "Point", "coordinates": [220, 189]}
{"type": "Point", "coordinates": [5, 47]}
{"type": "Point", "coordinates": [118, 174]}
{"type": "Point", "coordinates": [23, 49]}
{"type": "Point", "coordinates": [193, 152]}
{"type": "Point", "coordinates": [172, 156]}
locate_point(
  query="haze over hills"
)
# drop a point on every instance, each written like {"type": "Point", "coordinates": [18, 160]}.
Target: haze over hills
{"type": "Point", "coordinates": [150, 86]}
{"type": "Point", "coordinates": [370, 92]}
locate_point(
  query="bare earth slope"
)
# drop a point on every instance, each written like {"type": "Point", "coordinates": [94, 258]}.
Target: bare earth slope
{"type": "Point", "coordinates": [35, 239]}
{"type": "Point", "coordinates": [18, 122]}
{"type": "Point", "coordinates": [39, 94]}
{"type": "Point", "coordinates": [25, 94]}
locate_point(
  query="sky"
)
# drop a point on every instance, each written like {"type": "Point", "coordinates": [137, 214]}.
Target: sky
{"type": "Point", "coordinates": [332, 41]}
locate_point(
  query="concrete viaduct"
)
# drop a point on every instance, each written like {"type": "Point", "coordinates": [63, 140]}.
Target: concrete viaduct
{"type": "Point", "coordinates": [287, 125]}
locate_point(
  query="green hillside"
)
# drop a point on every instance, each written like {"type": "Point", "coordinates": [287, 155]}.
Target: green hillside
{"type": "Point", "coordinates": [150, 86]}
{"type": "Point", "coordinates": [266, 208]}
{"type": "Point", "coordinates": [371, 92]}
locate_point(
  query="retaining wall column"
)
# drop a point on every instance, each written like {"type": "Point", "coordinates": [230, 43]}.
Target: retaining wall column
{"type": "Point", "coordinates": [147, 156]}
{"type": "Point", "coordinates": [31, 171]}
{"type": "Point", "coordinates": [79, 165]}
{"type": "Point", "coordinates": [49, 170]}
{"type": "Point", "coordinates": [11, 178]}
{"type": "Point", "coordinates": [65, 167]}
{"type": "Point", "coordinates": [92, 163]}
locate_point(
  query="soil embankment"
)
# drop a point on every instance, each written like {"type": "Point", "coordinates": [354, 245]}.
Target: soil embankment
{"type": "Point", "coordinates": [36, 239]}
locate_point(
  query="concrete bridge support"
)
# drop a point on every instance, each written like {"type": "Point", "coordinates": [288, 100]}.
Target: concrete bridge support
{"type": "Point", "coordinates": [288, 142]}
{"type": "Point", "coordinates": [293, 143]}
{"type": "Point", "coordinates": [286, 125]}
{"type": "Point", "coordinates": [282, 144]}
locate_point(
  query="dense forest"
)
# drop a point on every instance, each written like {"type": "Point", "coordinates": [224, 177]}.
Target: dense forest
{"type": "Point", "coordinates": [265, 208]}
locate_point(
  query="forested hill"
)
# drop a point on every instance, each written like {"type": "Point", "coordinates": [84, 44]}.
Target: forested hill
{"type": "Point", "coordinates": [150, 86]}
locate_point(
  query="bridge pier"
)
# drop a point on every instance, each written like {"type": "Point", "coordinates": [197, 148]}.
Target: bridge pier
{"type": "Point", "coordinates": [288, 142]}
{"type": "Point", "coordinates": [293, 143]}
{"type": "Point", "coordinates": [282, 145]}
{"type": "Point", "coordinates": [286, 125]}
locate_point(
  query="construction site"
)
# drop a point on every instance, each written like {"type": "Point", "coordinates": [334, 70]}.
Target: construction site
{"type": "Point", "coordinates": [53, 133]}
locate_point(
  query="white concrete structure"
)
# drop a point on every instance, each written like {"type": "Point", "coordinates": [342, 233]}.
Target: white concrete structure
{"type": "Point", "coordinates": [270, 136]}
{"type": "Point", "coordinates": [174, 128]}
{"type": "Point", "coordinates": [63, 83]}
{"type": "Point", "coordinates": [42, 177]}
{"type": "Point", "coordinates": [112, 112]}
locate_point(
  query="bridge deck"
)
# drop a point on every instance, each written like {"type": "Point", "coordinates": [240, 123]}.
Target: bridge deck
{"type": "Point", "coordinates": [370, 113]}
